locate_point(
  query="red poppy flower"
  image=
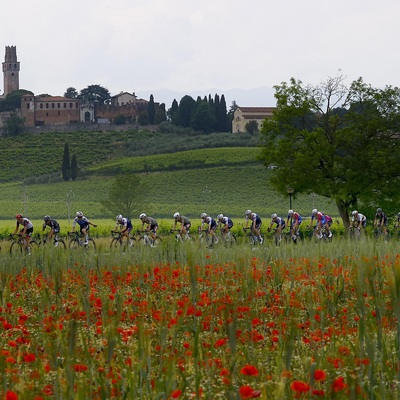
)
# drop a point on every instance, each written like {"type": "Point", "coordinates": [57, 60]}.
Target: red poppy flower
{"type": "Point", "coordinates": [249, 370]}
{"type": "Point", "coordinates": [247, 392]}
{"type": "Point", "coordinates": [319, 375]}
{"type": "Point", "coordinates": [339, 384]}
{"type": "Point", "coordinates": [10, 395]}
{"type": "Point", "coordinates": [176, 394]}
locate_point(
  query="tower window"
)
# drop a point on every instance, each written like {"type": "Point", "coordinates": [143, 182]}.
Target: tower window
{"type": "Point", "coordinates": [58, 105]}
{"type": "Point", "coordinates": [47, 105]}
{"type": "Point", "coordinates": [70, 105]}
{"type": "Point", "coordinates": [52, 105]}
{"type": "Point", "coordinates": [41, 105]}
{"type": "Point", "coordinates": [65, 105]}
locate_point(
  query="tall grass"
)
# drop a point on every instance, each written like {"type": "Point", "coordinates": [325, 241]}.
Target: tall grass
{"type": "Point", "coordinates": [184, 321]}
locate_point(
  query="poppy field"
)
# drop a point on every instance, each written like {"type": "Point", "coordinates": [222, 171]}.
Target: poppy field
{"type": "Point", "coordinates": [183, 322]}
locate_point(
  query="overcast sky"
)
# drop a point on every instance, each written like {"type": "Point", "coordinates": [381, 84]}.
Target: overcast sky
{"type": "Point", "coordinates": [200, 47]}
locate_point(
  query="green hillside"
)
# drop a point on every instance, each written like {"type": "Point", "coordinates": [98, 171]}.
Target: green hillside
{"type": "Point", "coordinates": [221, 179]}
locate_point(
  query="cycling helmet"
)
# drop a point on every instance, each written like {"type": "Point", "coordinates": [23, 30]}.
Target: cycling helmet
{"type": "Point", "coordinates": [118, 217]}
{"type": "Point", "coordinates": [220, 216]}
{"type": "Point", "coordinates": [79, 214]}
{"type": "Point", "coordinates": [398, 214]}
{"type": "Point", "coordinates": [47, 218]}
{"type": "Point", "coordinates": [142, 215]}
{"type": "Point", "coordinates": [354, 212]}
{"type": "Point", "coordinates": [18, 216]}
{"type": "Point", "coordinates": [177, 215]}
{"type": "Point", "coordinates": [273, 216]}
{"type": "Point", "coordinates": [203, 215]}
{"type": "Point", "coordinates": [378, 210]}
{"type": "Point", "coordinates": [314, 211]}
{"type": "Point", "coordinates": [247, 212]}
{"type": "Point", "coordinates": [290, 212]}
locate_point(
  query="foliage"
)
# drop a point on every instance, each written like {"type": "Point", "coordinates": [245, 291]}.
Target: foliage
{"type": "Point", "coordinates": [14, 124]}
{"type": "Point", "coordinates": [95, 93]}
{"type": "Point", "coordinates": [151, 110]}
{"type": "Point", "coordinates": [251, 127]}
{"type": "Point", "coordinates": [160, 114]}
{"type": "Point", "coordinates": [203, 118]}
{"type": "Point", "coordinates": [143, 118]}
{"type": "Point", "coordinates": [120, 119]}
{"type": "Point", "coordinates": [71, 93]}
{"type": "Point", "coordinates": [12, 101]}
{"type": "Point", "coordinates": [66, 165]}
{"type": "Point", "coordinates": [74, 168]}
{"type": "Point", "coordinates": [347, 138]}
{"type": "Point", "coordinates": [125, 195]}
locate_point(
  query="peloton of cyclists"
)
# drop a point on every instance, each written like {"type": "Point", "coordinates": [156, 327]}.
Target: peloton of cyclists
{"type": "Point", "coordinates": [26, 230]}
{"type": "Point", "coordinates": [84, 225]}
{"type": "Point", "coordinates": [54, 228]}
{"type": "Point", "coordinates": [255, 222]}
{"type": "Point", "coordinates": [184, 225]}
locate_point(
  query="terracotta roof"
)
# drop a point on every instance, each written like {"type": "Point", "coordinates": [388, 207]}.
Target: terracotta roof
{"type": "Point", "coordinates": [265, 110]}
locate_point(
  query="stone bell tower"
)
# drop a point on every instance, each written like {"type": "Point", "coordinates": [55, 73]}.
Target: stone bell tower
{"type": "Point", "coordinates": [10, 70]}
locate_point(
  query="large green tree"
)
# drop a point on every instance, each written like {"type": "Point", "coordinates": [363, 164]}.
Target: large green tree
{"type": "Point", "coordinates": [95, 93]}
{"type": "Point", "coordinates": [336, 141]}
{"type": "Point", "coordinates": [125, 196]}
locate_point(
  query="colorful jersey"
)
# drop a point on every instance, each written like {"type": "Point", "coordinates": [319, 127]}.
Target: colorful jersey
{"type": "Point", "coordinates": [25, 223]}
{"type": "Point", "coordinates": [381, 217]}
{"type": "Point", "coordinates": [279, 222]}
{"type": "Point", "coordinates": [54, 225]}
{"type": "Point", "coordinates": [320, 217]}
{"type": "Point", "coordinates": [124, 223]}
{"type": "Point", "coordinates": [226, 221]}
{"type": "Point", "coordinates": [360, 218]}
{"type": "Point", "coordinates": [212, 224]}
{"type": "Point", "coordinates": [253, 217]}
{"type": "Point", "coordinates": [296, 217]}
{"type": "Point", "coordinates": [83, 222]}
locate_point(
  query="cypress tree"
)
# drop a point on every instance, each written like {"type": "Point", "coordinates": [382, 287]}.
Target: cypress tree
{"type": "Point", "coordinates": [66, 166]}
{"type": "Point", "coordinates": [74, 168]}
{"type": "Point", "coordinates": [151, 110]}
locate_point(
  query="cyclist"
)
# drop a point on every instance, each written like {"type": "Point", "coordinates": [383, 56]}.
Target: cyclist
{"type": "Point", "coordinates": [280, 225]}
{"type": "Point", "coordinates": [225, 223]}
{"type": "Point", "coordinates": [397, 224]}
{"type": "Point", "coordinates": [54, 228]}
{"type": "Point", "coordinates": [295, 221]}
{"type": "Point", "coordinates": [26, 230]}
{"type": "Point", "coordinates": [321, 222]}
{"type": "Point", "coordinates": [256, 223]}
{"type": "Point", "coordinates": [381, 220]}
{"type": "Point", "coordinates": [185, 224]}
{"type": "Point", "coordinates": [211, 226]}
{"type": "Point", "coordinates": [84, 225]}
{"type": "Point", "coordinates": [123, 226]}
{"type": "Point", "coordinates": [152, 226]}
{"type": "Point", "coordinates": [358, 220]}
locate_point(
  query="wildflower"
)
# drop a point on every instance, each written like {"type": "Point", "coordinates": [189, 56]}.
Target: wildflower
{"type": "Point", "coordinates": [339, 384]}
{"type": "Point", "coordinates": [300, 387]}
{"type": "Point", "coordinates": [30, 357]}
{"type": "Point", "coordinates": [80, 367]}
{"type": "Point", "coordinates": [249, 370]}
{"type": "Point", "coordinates": [247, 392]}
{"type": "Point", "coordinates": [319, 375]}
{"type": "Point", "coordinates": [176, 394]}
{"type": "Point", "coordinates": [10, 395]}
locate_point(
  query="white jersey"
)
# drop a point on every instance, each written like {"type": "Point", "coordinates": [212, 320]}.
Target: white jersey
{"type": "Point", "coordinates": [359, 218]}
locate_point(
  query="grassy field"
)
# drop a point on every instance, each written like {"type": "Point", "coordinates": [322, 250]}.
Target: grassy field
{"type": "Point", "coordinates": [229, 190]}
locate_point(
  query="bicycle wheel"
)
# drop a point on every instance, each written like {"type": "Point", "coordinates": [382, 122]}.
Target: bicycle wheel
{"type": "Point", "coordinates": [34, 245]}
{"type": "Point", "coordinates": [90, 245]}
{"type": "Point", "coordinates": [61, 244]}
{"type": "Point", "coordinates": [15, 248]}
{"type": "Point", "coordinates": [73, 244]}
{"type": "Point", "coordinates": [116, 243]}
{"type": "Point", "coordinates": [231, 241]}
